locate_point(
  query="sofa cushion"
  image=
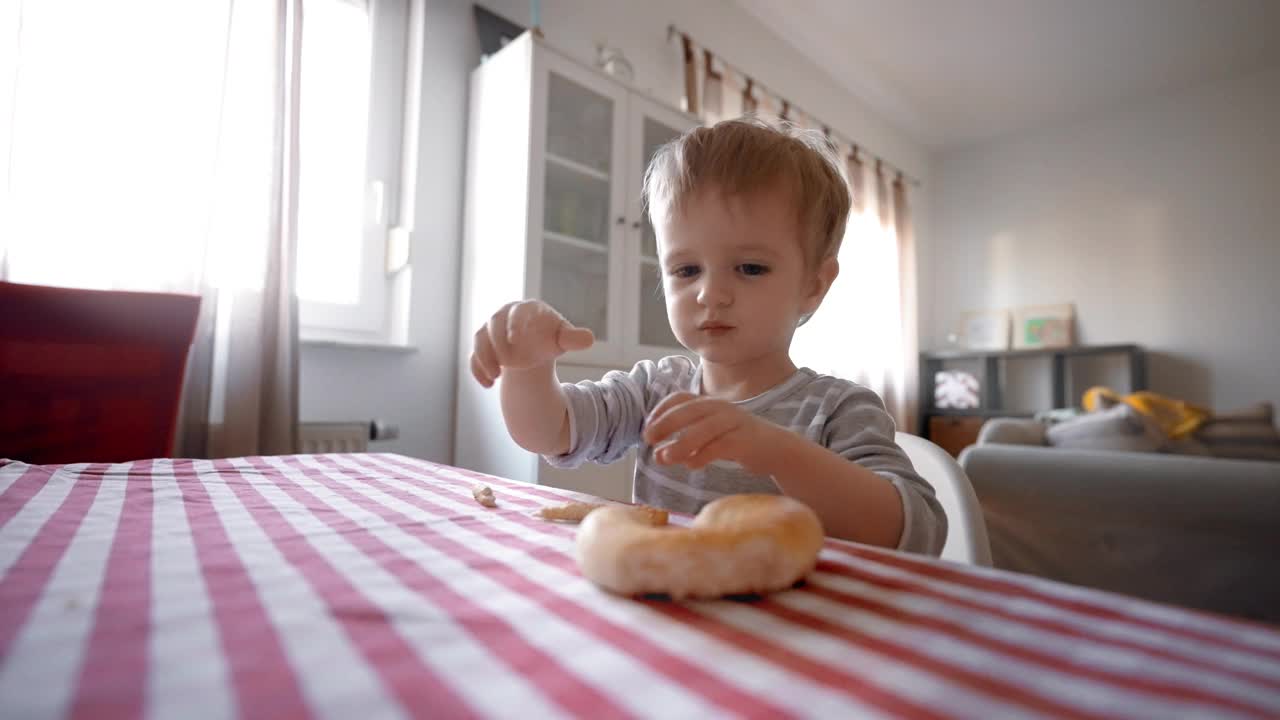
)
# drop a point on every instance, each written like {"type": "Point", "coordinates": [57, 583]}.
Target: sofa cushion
{"type": "Point", "coordinates": [1013, 431]}
{"type": "Point", "coordinates": [1247, 434]}
{"type": "Point", "coordinates": [1262, 412]}
{"type": "Point", "coordinates": [1247, 451]}
{"type": "Point", "coordinates": [1119, 427]}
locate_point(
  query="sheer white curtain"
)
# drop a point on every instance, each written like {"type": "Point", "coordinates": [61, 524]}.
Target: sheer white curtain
{"type": "Point", "coordinates": [865, 330]}
{"type": "Point", "coordinates": [151, 145]}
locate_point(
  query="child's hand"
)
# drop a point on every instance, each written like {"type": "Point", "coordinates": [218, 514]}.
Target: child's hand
{"type": "Point", "coordinates": [523, 335]}
{"type": "Point", "coordinates": [693, 431]}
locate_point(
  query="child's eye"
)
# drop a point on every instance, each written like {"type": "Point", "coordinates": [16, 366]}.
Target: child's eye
{"type": "Point", "coordinates": [684, 271]}
{"type": "Point", "coordinates": [752, 269]}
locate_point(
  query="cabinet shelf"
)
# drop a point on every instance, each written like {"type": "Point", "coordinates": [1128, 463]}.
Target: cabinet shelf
{"type": "Point", "coordinates": [577, 167]}
{"type": "Point", "coordinates": [575, 241]}
{"type": "Point", "coordinates": [1076, 351]}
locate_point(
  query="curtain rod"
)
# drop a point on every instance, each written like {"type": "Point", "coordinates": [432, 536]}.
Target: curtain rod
{"type": "Point", "coordinates": [673, 31]}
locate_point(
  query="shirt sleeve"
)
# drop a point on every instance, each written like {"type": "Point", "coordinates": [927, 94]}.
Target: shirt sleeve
{"type": "Point", "coordinates": [861, 430]}
{"type": "Point", "coordinates": [606, 416]}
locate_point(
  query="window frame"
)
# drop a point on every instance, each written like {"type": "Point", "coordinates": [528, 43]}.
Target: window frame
{"type": "Point", "coordinates": [390, 172]}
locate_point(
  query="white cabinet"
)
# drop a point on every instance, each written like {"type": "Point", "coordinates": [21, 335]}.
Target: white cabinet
{"type": "Point", "coordinates": [555, 165]}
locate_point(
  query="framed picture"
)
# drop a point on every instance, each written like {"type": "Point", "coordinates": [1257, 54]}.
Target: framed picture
{"type": "Point", "coordinates": [986, 330]}
{"type": "Point", "coordinates": [1043, 326]}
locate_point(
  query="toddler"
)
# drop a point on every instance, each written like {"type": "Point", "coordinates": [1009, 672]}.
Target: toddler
{"type": "Point", "coordinates": [749, 217]}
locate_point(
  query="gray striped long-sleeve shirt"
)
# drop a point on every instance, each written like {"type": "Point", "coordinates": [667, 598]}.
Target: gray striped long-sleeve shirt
{"type": "Point", "coordinates": [606, 418]}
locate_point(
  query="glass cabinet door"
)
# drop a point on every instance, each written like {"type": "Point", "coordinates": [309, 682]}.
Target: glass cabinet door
{"type": "Point", "coordinates": [652, 126]}
{"type": "Point", "coordinates": [577, 194]}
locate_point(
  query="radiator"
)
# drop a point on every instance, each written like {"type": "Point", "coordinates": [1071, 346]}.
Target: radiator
{"type": "Point", "coordinates": [334, 437]}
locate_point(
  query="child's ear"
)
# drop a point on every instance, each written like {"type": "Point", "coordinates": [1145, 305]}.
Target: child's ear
{"type": "Point", "coordinates": [828, 269]}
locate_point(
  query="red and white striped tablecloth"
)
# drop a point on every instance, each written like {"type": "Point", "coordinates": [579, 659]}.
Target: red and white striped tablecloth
{"type": "Point", "coordinates": [372, 586]}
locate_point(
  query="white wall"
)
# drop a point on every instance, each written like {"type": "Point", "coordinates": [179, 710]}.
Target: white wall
{"type": "Point", "coordinates": [1159, 220]}
{"type": "Point", "coordinates": [416, 390]}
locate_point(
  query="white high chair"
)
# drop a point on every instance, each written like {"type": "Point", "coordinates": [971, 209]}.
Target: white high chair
{"type": "Point", "coordinates": [966, 531]}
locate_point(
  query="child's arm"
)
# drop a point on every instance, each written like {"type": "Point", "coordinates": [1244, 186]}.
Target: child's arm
{"type": "Point", "coordinates": [853, 501]}
{"type": "Point", "coordinates": [607, 415]}
{"type": "Point", "coordinates": [520, 343]}
{"type": "Point", "coordinates": [535, 409]}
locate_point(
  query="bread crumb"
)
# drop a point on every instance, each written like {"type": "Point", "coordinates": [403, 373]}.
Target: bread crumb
{"type": "Point", "coordinates": [484, 495]}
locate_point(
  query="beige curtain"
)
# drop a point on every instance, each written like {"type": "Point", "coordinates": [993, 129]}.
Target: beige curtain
{"type": "Point", "coordinates": [712, 88]}
{"type": "Point", "coordinates": [867, 328]}
{"type": "Point", "coordinates": [905, 406]}
{"type": "Point", "coordinates": [241, 394]}
{"type": "Point", "coordinates": [691, 96]}
{"type": "Point", "coordinates": [857, 181]}
{"type": "Point", "coordinates": [183, 181]}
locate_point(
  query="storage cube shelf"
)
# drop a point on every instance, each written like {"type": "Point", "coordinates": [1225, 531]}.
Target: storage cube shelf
{"type": "Point", "coordinates": [955, 428]}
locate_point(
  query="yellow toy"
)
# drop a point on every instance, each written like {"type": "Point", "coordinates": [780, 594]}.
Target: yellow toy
{"type": "Point", "coordinates": [1176, 418]}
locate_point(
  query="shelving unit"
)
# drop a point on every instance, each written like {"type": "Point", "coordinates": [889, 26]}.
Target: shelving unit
{"type": "Point", "coordinates": [555, 166]}
{"type": "Point", "coordinates": [955, 428]}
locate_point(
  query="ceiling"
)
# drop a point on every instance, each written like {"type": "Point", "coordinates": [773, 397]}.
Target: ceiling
{"type": "Point", "coordinates": [956, 72]}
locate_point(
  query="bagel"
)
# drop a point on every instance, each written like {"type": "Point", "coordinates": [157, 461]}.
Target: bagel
{"type": "Point", "coordinates": [737, 545]}
{"type": "Point", "coordinates": [574, 512]}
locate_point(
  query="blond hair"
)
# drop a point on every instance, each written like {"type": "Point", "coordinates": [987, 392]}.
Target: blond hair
{"type": "Point", "coordinates": [744, 156]}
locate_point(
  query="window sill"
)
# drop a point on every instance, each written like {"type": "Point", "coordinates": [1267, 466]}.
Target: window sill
{"type": "Point", "coordinates": [394, 337]}
{"type": "Point", "coordinates": [358, 345]}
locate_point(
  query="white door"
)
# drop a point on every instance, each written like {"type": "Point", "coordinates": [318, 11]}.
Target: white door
{"type": "Point", "coordinates": [649, 126]}
{"type": "Point", "coordinates": [577, 200]}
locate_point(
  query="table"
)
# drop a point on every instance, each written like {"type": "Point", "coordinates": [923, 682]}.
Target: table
{"type": "Point", "coordinates": [374, 586]}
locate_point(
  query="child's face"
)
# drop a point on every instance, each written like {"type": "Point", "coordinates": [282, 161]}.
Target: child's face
{"type": "Point", "coordinates": [735, 277]}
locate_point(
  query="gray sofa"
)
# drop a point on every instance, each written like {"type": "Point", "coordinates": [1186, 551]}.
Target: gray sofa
{"type": "Point", "coordinates": [1193, 531]}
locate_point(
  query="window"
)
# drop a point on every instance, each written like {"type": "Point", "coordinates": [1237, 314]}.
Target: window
{"type": "Point", "coordinates": [332, 137]}
{"type": "Point", "coordinates": [107, 154]}
{"type": "Point", "coordinates": [352, 122]}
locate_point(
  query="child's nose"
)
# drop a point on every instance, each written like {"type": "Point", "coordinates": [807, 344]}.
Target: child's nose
{"type": "Point", "coordinates": [715, 291]}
